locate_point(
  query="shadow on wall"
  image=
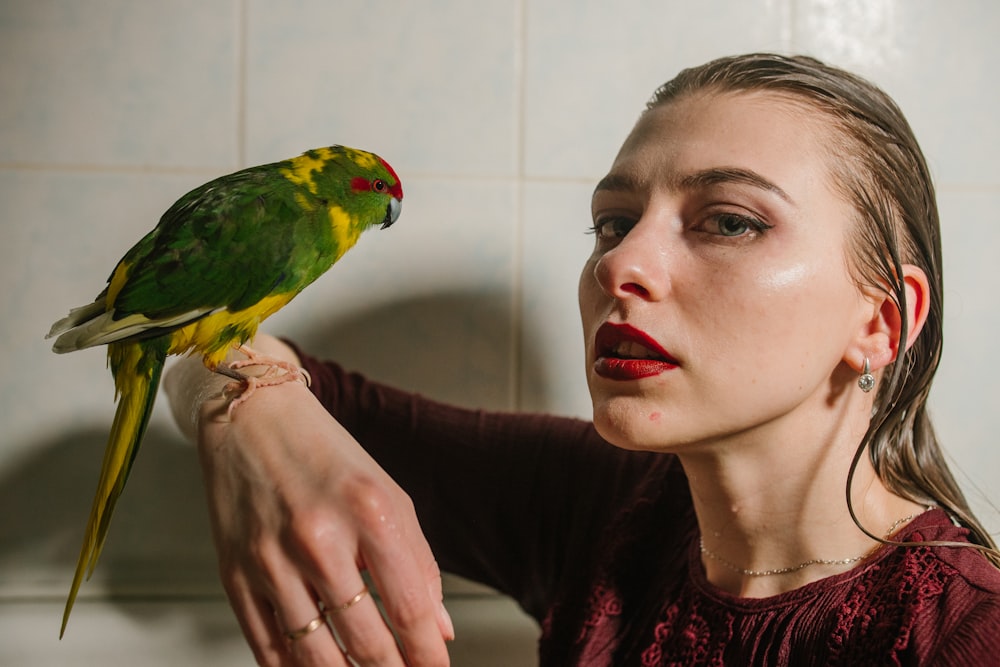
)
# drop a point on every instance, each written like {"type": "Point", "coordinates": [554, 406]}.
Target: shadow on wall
{"type": "Point", "coordinates": [454, 347]}
{"type": "Point", "coordinates": [47, 500]}
{"type": "Point", "coordinates": [159, 544]}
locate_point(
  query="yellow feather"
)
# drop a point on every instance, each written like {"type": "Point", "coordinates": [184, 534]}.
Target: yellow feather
{"type": "Point", "coordinates": [345, 232]}
{"type": "Point", "coordinates": [303, 166]}
{"type": "Point", "coordinates": [364, 160]}
{"type": "Point", "coordinates": [137, 371]}
{"type": "Point", "coordinates": [203, 336]}
{"type": "Point", "coordinates": [117, 281]}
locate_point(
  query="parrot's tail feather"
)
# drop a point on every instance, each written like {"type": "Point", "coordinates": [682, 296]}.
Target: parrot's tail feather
{"type": "Point", "coordinates": [137, 368]}
{"type": "Point", "coordinates": [95, 326]}
{"type": "Point", "coordinates": [78, 316]}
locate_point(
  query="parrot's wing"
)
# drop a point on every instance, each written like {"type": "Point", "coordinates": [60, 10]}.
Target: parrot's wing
{"type": "Point", "coordinates": [220, 247]}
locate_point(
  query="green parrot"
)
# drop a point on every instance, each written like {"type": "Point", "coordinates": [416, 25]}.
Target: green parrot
{"type": "Point", "coordinates": [224, 257]}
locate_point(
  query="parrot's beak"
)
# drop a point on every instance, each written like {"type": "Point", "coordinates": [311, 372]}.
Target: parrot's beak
{"type": "Point", "coordinates": [392, 212]}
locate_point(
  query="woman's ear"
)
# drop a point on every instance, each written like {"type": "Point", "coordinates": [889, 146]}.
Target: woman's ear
{"type": "Point", "coordinates": [918, 301]}
{"type": "Point", "coordinates": [879, 337]}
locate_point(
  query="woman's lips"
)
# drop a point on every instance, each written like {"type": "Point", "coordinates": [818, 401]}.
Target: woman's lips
{"type": "Point", "coordinates": [626, 353]}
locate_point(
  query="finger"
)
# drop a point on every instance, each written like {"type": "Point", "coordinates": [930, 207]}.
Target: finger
{"type": "Point", "coordinates": [432, 575]}
{"type": "Point", "coordinates": [256, 619]}
{"type": "Point", "coordinates": [412, 612]}
{"type": "Point", "coordinates": [333, 570]}
{"type": "Point", "coordinates": [357, 621]}
{"type": "Point", "coordinates": [426, 563]}
{"type": "Point", "coordinates": [300, 625]}
{"type": "Point", "coordinates": [429, 570]}
{"type": "Point", "coordinates": [384, 549]}
{"type": "Point", "coordinates": [412, 601]}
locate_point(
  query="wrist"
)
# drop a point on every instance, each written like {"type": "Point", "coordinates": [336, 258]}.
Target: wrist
{"type": "Point", "coordinates": [263, 390]}
{"type": "Point", "coordinates": [197, 394]}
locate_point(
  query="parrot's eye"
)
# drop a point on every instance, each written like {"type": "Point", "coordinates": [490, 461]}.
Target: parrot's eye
{"type": "Point", "coordinates": [378, 185]}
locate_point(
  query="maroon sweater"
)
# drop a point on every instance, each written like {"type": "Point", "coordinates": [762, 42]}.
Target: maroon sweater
{"type": "Point", "coordinates": [599, 545]}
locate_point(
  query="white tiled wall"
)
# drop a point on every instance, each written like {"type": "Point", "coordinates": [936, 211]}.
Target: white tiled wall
{"type": "Point", "coordinates": [499, 115]}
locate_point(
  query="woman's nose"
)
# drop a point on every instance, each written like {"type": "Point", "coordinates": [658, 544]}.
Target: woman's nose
{"type": "Point", "coordinates": [636, 267]}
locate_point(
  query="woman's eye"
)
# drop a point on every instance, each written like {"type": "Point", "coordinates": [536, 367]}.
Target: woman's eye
{"type": "Point", "coordinates": [612, 228]}
{"type": "Point", "coordinates": [733, 224]}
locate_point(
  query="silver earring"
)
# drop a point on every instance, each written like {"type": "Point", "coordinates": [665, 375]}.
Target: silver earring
{"type": "Point", "coordinates": [867, 380]}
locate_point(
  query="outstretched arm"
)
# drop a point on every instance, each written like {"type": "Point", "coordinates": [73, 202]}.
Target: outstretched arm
{"type": "Point", "coordinates": [298, 511]}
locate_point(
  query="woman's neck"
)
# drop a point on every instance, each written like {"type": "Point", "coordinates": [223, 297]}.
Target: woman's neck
{"type": "Point", "coordinates": [774, 506]}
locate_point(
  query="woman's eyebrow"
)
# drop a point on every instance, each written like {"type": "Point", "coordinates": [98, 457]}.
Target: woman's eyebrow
{"type": "Point", "coordinates": [708, 177]}
{"type": "Point", "coordinates": [618, 183]}
{"type": "Point", "coordinates": [699, 179]}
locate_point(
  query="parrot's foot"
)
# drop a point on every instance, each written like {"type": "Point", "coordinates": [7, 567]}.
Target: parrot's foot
{"type": "Point", "coordinates": [277, 372]}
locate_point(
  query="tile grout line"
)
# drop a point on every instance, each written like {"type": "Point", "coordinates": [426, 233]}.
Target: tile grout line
{"type": "Point", "coordinates": [517, 268]}
{"type": "Point", "coordinates": [241, 83]}
{"type": "Point", "coordinates": [790, 18]}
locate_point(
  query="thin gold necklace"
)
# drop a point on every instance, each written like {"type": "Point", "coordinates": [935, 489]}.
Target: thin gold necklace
{"type": "Point", "coordinates": [801, 566]}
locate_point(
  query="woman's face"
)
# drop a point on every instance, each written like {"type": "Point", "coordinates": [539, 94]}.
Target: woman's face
{"type": "Point", "coordinates": [718, 301]}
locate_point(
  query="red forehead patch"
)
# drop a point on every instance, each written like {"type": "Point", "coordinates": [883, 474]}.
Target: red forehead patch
{"type": "Point", "coordinates": [397, 189]}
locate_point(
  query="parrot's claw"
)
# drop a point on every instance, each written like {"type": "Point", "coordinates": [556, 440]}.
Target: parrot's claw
{"type": "Point", "coordinates": [278, 372]}
{"type": "Point", "coordinates": [230, 372]}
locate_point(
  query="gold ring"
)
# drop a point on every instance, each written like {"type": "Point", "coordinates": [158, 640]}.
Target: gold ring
{"type": "Point", "coordinates": [314, 624]}
{"type": "Point", "coordinates": [353, 601]}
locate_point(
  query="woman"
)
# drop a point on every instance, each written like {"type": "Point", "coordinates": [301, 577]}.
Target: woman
{"type": "Point", "coordinates": [762, 318]}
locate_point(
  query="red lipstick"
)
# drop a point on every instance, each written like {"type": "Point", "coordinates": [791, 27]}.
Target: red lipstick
{"type": "Point", "coordinates": [626, 353]}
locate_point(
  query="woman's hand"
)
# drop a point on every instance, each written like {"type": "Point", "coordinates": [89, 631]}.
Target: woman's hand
{"type": "Point", "coordinates": [299, 510]}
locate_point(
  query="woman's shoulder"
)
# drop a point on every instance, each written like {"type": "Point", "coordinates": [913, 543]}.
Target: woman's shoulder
{"type": "Point", "coordinates": [963, 627]}
{"type": "Point", "coordinates": [953, 593]}
{"type": "Point", "coordinates": [968, 569]}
